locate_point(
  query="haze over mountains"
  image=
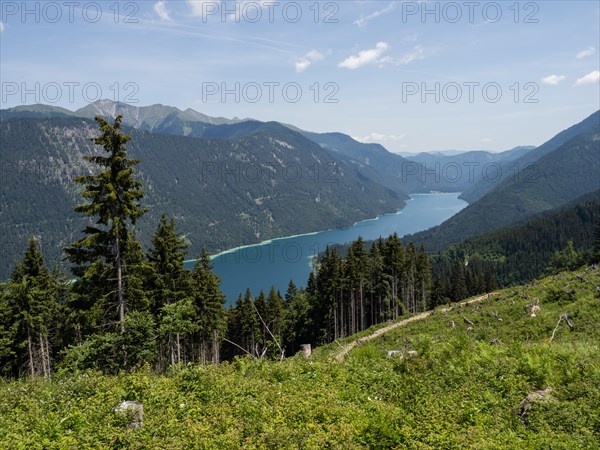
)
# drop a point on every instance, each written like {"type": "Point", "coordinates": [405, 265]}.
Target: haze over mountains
{"type": "Point", "coordinates": [563, 169]}
{"type": "Point", "coordinates": [231, 182]}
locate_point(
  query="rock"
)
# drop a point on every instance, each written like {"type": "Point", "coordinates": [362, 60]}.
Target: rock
{"type": "Point", "coordinates": [394, 353]}
{"type": "Point", "coordinates": [135, 409]}
{"type": "Point", "coordinates": [541, 396]}
{"type": "Point", "coordinates": [470, 329]}
{"type": "Point", "coordinates": [412, 353]}
{"type": "Point", "coordinates": [496, 342]}
{"type": "Point", "coordinates": [451, 324]}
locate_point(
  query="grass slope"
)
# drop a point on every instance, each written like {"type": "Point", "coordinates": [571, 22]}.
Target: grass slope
{"type": "Point", "coordinates": [461, 391]}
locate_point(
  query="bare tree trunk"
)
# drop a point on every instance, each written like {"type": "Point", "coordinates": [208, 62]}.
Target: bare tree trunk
{"type": "Point", "coordinates": [335, 321]}
{"type": "Point", "coordinates": [45, 354]}
{"type": "Point", "coordinates": [362, 307]}
{"type": "Point", "coordinates": [120, 297]}
{"type": "Point", "coordinates": [341, 306]}
{"type": "Point", "coordinates": [215, 344]}
{"type": "Point", "coordinates": [171, 350]}
{"type": "Point", "coordinates": [351, 313]}
{"type": "Point", "coordinates": [30, 353]}
{"type": "Point", "coordinates": [178, 343]}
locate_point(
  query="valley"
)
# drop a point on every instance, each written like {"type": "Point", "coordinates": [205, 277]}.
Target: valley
{"type": "Point", "coordinates": [345, 225]}
{"type": "Point", "coordinates": [276, 262]}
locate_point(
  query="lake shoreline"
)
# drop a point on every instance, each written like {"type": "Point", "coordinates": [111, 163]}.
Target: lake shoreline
{"type": "Point", "coordinates": [312, 233]}
{"type": "Point", "coordinates": [275, 262]}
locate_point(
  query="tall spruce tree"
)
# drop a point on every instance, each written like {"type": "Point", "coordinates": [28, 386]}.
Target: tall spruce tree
{"type": "Point", "coordinates": [458, 285]}
{"type": "Point", "coordinates": [169, 279]}
{"type": "Point", "coordinates": [208, 302]}
{"type": "Point", "coordinates": [113, 198]}
{"type": "Point", "coordinates": [170, 291]}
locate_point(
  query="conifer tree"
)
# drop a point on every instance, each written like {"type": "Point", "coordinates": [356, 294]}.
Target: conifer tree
{"type": "Point", "coordinates": [262, 339]}
{"type": "Point", "coordinates": [489, 280]}
{"type": "Point", "coordinates": [32, 303]}
{"type": "Point", "coordinates": [169, 281]}
{"type": "Point", "coordinates": [208, 302]}
{"type": "Point", "coordinates": [113, 198]}
{"type": "Point", "coordinates": [458, 286]}
{"type": "Point", "coordinates": [297, 326]}
{"type": "Point", "coordinates": [394, 258]}
{"type": "Point", "coordinates": [275, 317]}
{"type": "Point", "coordinates": [423, 279]}
{"type": "Point", "coordinates": [291, 292]}
{"type": "Point", "coordinates": [243, 326]}
{"type": "Point", "coordinates": [379, 286]}
{"type": "Point", "coordinates": [357, 271]}
{"type": "Point", "coordinates": [311, 284]}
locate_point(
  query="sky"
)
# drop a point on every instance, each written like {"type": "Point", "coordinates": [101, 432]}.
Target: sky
{"type": "Point", "coordinates": [413, 76]}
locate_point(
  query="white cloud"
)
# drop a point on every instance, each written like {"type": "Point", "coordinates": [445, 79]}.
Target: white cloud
{"type": "Point", "coordinates": [365, 19]}
{"type": "Point", "coordinates": [416, 54]}
{"type": "Point", "coordinates": [201, 7]}
{"type": "Point", "coordinates": [305, 61]}
{"type": "Point", "coordinates": [553, 79]}
{"type": "Point", "coordinates": [585, 53]}
{"type": "Point", "coordinates": [486, 140]}
{"type": "Point", "coordinates": [590, 78]}
{"type": "Point", "coordinates": [365, 57]}
{"type": "Point", "coordinates": [1, 27]}
{"type": "Point", "coordinates": [161, 10]}
{"type": "Point", "coordinates": [230, 11]}
{"type": "Point", "coordinates": [378, 137]}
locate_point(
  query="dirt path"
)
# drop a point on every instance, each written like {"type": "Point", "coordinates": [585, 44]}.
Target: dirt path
{"type": "Point", "coordinates": [342, 354]}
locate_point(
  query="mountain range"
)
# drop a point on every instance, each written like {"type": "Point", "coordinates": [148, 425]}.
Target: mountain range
{"type": "Point", "coordinates": [231, 182]}
{"type": "Point", "coordinates": [552, 175]}
{"type": "Point", "coordinates": [223, 192]}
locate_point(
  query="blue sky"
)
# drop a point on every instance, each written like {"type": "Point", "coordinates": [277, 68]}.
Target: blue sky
{"type": "Point", "coordinates": [414, 76]}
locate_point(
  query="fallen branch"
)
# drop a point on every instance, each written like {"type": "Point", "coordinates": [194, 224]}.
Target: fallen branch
{"type": "Point", "coordinates": [238, 346]}
{"type": "Point", "coordinates": [562, 317]}
{"type": "Point", "coordinates": [269, 331]}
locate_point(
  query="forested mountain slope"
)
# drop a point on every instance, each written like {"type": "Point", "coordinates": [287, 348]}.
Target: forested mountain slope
{"type": "Point", "coordinates": [557, 178]}
{"type": "Point", "coordinates": [223, 193]}
{"type": "Point", "coordinates": [521, 253]}
{"type": "Point", "coordinates": [508, 169]}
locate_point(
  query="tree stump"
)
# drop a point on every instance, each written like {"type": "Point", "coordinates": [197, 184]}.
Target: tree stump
{"type": "Point", "coordinates": [306, 350]}
{"type": "Point", "coordinates": [136, 409]}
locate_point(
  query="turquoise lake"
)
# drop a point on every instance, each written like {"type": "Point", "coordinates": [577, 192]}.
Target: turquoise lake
{"type": "Point", "coordinates": [275, 262]}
